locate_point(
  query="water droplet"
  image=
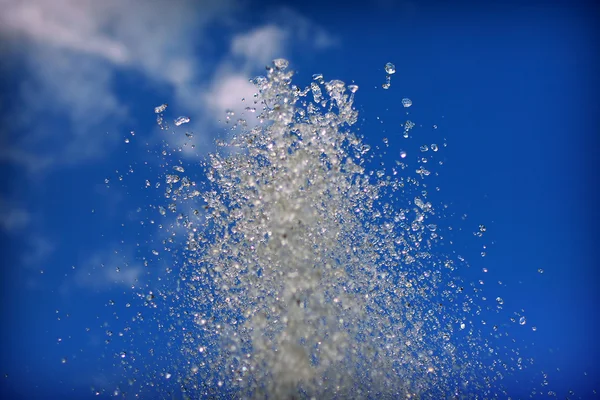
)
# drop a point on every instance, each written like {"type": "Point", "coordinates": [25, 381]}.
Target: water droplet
{"type": "Point", "coordinates": [482, 228]}
{"type": "Point", "coordinates": [353, 88]}
{"type": "Point", "coordinates": [534, 328]}
{"type": "Point", "coordinates": [522, 321]}
{"type": "Point", "coordinates": [499, 300]}
{"type": "Point", "coordinates": [387, 83]}
{"type": "Point", "coordinates": [182, 120]}
{"type": "Point", "coordinates": [434, 147]}
{"type": "Point", "coordinates": [424, 148]}
{"type": "Point", "coordinates": [406, 102]}
{"type": "Point", "coordinates": [155, 252]}
{"type": "Point", "coordinates": [281, 63]}
{"type": "Point", "coordinates": [541, 271]}
{"type": "Point", "coordinates": [126, 140]}
{"type": "Point", "coordinates": [390, 68]}
{"type": "Point", "coordinates": [168, 375]}
{"type": "Point", "coordinates": [402, 154]}
{"type": "Point", "coordinates": [179, 168]}
{"type": "Point", "coordinates": [160, 108]}
{"type": "Point", "coordinates": [64, 360]}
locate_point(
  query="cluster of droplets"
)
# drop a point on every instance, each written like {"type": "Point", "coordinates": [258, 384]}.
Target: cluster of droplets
{"type": "Point", "coordinates": [390, 69]}
{"type": "Point", "coordinates": [315, 282]}
{"type": "Point", "coordinates": [306, 275]}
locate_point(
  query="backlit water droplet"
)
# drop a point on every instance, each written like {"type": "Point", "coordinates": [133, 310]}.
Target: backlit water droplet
{"type": "Point", "coordinates": [522, 321]}
{"type": "Point", "coordinates": [353, 88]}
{"type": "Point", "coordinates": [390, 68]}
{"type": "Point", "coordinates": [182, 120]}
{"type": "Point", "coordinates": [387, 83]}
{"type": "Point", "coordinates": [406, 102]}
{"type": "Point", "coordinates": [160, 108]}
{"type": "Point", "coordinates": [281, 63]}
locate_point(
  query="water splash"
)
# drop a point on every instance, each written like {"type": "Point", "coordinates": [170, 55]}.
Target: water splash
{"type": "Point", "coordinates": [308, 275]}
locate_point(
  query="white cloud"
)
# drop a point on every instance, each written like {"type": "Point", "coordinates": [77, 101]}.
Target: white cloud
{"type": "Point", "coordinates": [67, 24]}
{"type": "Point", "coordinates": [261, 45]}
{"type": "Point", "coordinates": [255, 49]}
{"type": "Point", "coordinates": [227, 93]}
{"type": "Point", "coordinates": [75, 49]}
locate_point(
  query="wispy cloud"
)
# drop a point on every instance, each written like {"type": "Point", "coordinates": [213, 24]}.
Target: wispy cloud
{"type": "Point", "coordinates": [107, 269]}
{"type": "Point", "coordinates": [13, 218]}
{"type": "Point", "coordinates": [39, 248]}
{"type": "Point", "coordinates": [20, 224]}
{"type": "Point", "coordinates": [73, 51]}
{"type": "Point", "coordinates": [250, 52]}
{"type": "Point", "coordinates": [260, 45]}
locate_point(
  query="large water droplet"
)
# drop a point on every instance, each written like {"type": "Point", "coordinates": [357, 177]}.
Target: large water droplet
{"type": "Point", "coordinates": [406, 102]}
{"type": "Point", "coordinates": [160, 108]}
{"type": "Point", "coordinates": [390, 68]}
{"type": "Point", "coordinates": [387, 83]}
{"type": "Point", "coordinates": [353, 88]}
{"type": "Point", "coordinates": [281, 63]}
{"type": "Point", "coordinates": [182, 120]}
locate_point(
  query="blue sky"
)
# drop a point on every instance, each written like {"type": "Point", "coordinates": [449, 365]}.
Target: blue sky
{"type": "Point", "coordinates": [511, 88]}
